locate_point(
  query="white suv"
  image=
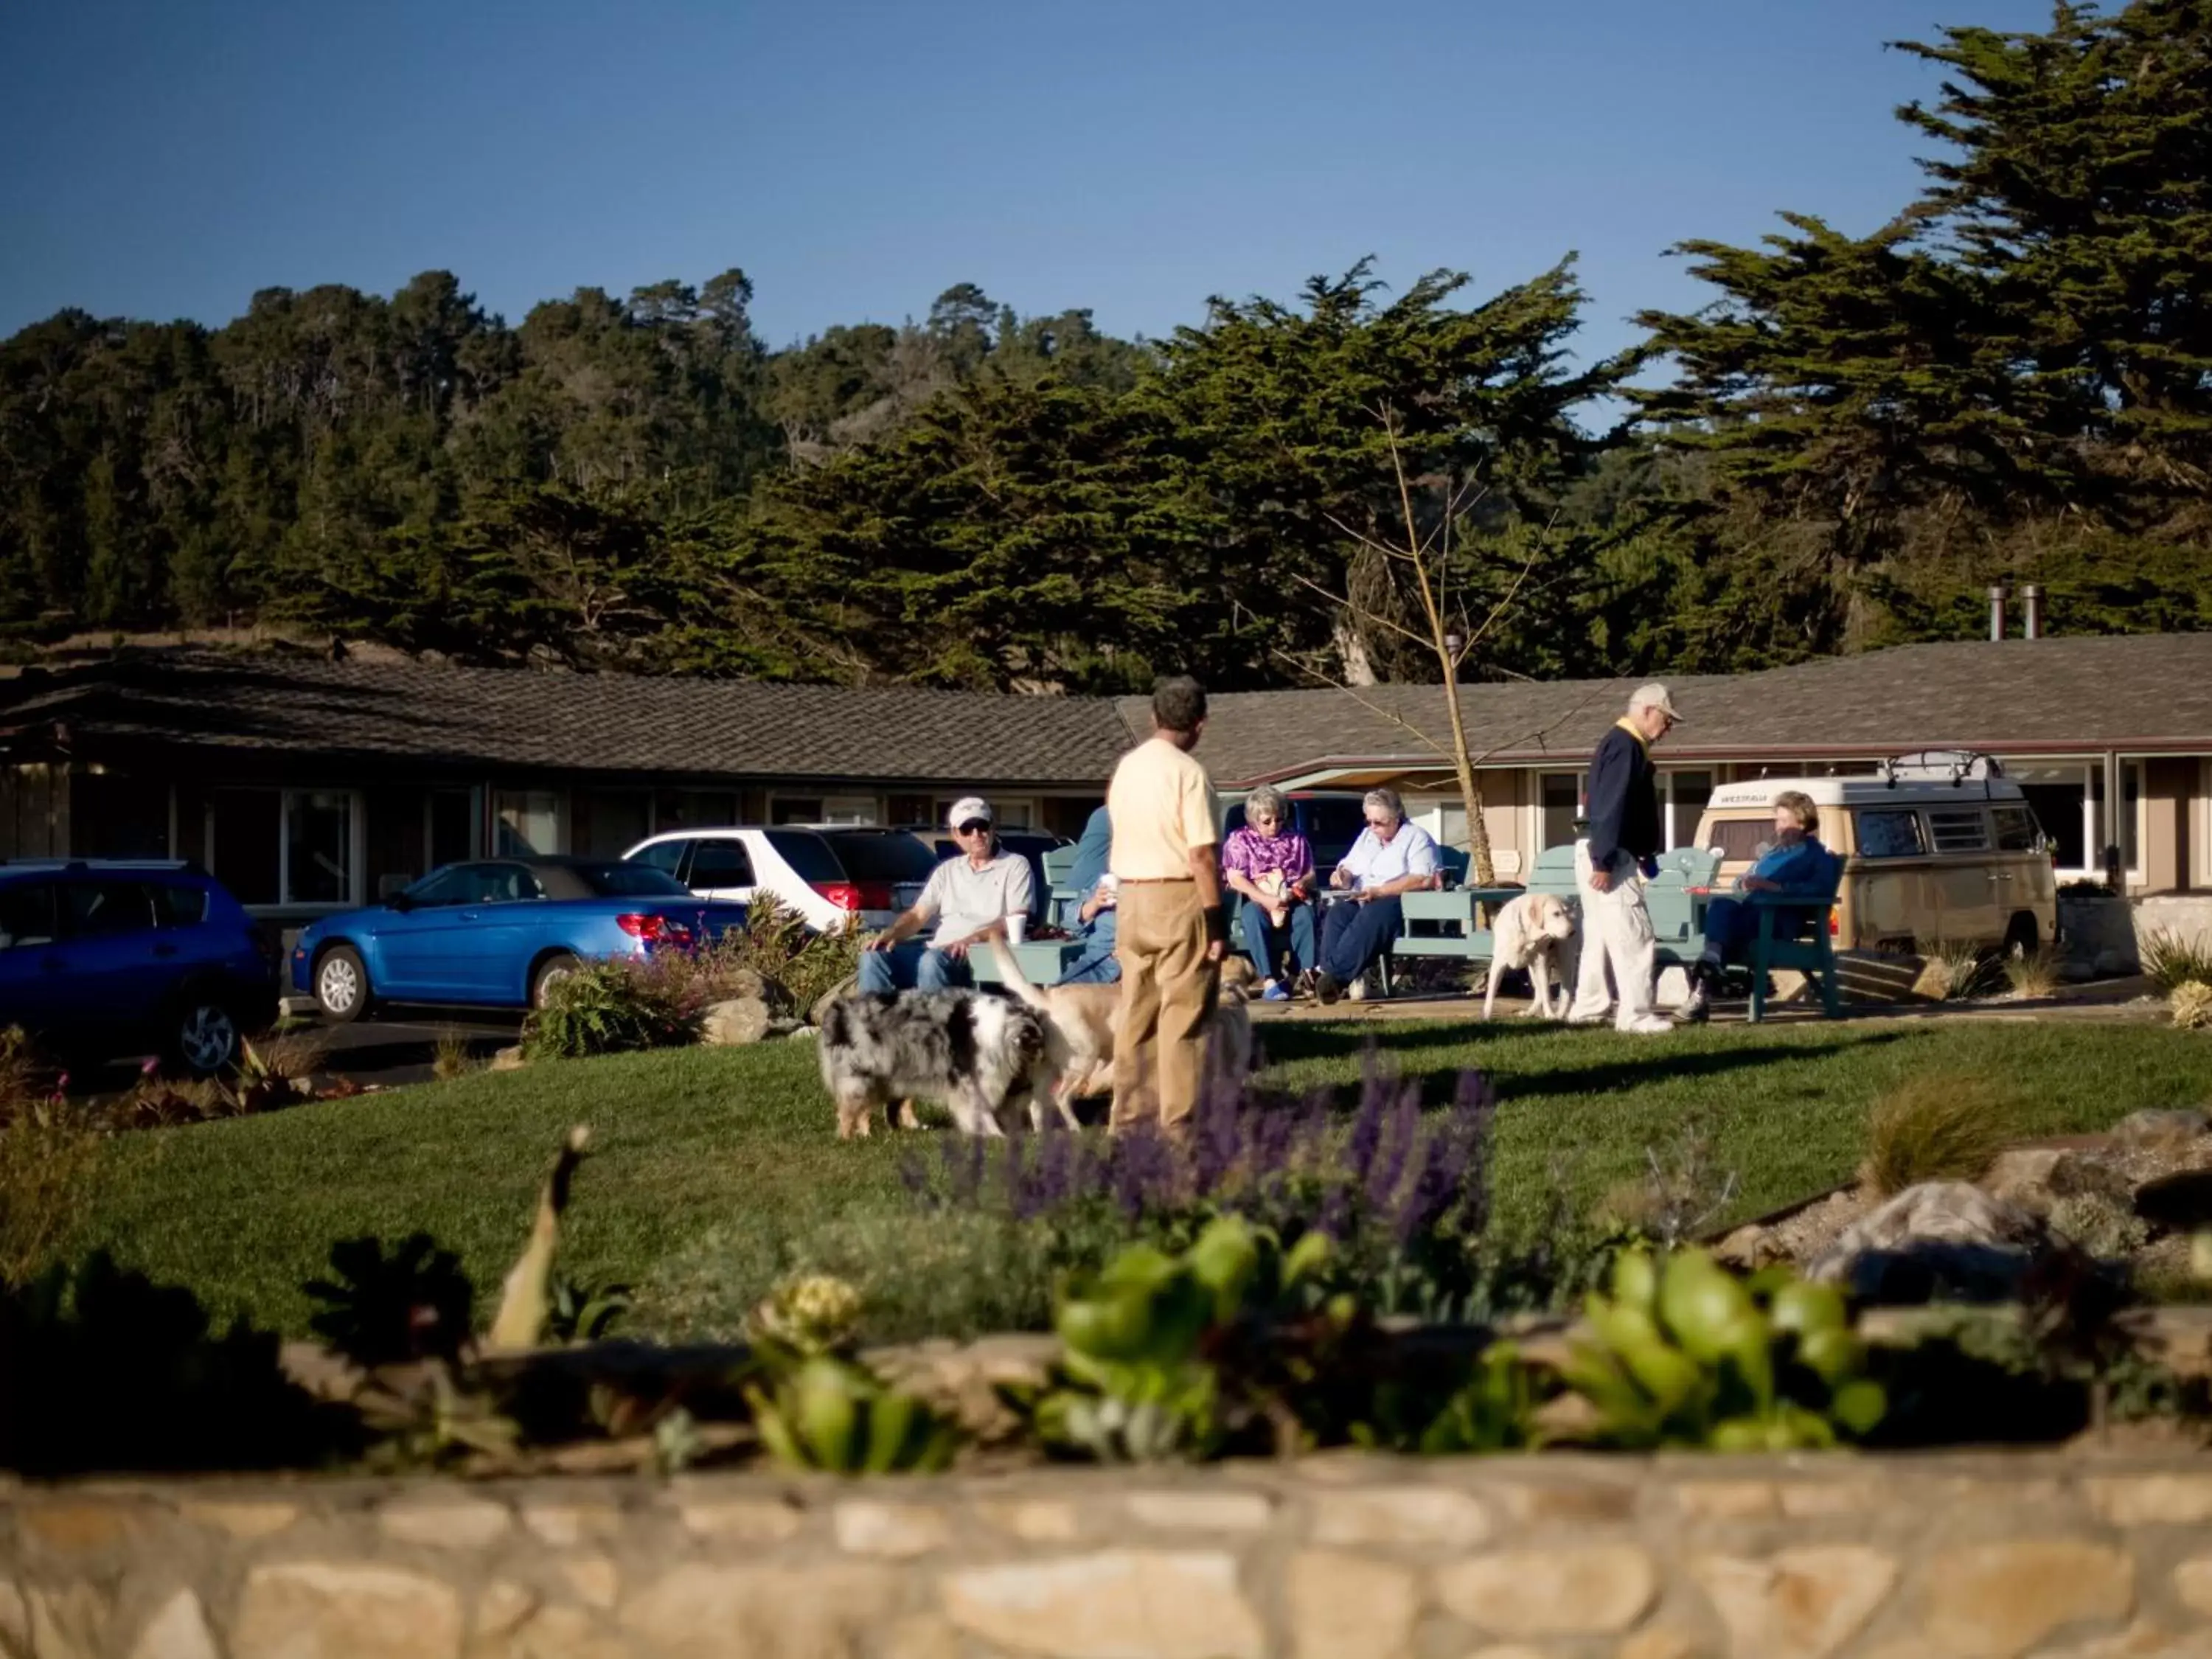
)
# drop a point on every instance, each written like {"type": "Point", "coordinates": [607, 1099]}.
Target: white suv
{"type": "Point", "coordinates": [829, 874]}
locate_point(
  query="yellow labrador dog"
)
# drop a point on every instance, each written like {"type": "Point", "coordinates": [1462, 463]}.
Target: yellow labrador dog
{"type": "Point", "coordinates": [1079, 1021]}
{"type": "Point", "coordinates": [1531, 932]}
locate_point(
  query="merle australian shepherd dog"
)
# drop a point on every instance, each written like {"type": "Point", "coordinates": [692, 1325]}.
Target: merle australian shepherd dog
{"type": "Point", "coordinates": [983, 1056]}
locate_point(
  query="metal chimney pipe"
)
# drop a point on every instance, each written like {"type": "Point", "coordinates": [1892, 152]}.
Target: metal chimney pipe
{"type": "Point", "coordinates": [1999, 595]}
{"type": "Point", "coordinates": [2031, 599]}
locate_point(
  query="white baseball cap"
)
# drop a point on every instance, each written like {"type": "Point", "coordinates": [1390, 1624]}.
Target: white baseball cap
{"type": "Point", "coordinates": [966, 809]}
{"type": "Point", "coordinates": [1655, 696]}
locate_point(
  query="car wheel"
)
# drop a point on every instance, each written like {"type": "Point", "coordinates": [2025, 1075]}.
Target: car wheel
{"type": "Point", "coordinates": [205, 1037]}
{"type": "Point", "coordinates": [342, 985]}
{"type": "Point", "coordinates": [549, 973]}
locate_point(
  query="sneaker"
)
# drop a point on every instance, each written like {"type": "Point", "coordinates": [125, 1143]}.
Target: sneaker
{"type": "Point", "coordinates": [1588, 1020]}
{"type": "Point", "coordinates": [1698, 1006]}
{"type": "Point", "coordinates": [1326, 989]}
{"type": "Point", "coordinates": [1274, 992]}
{"type": "Point", "coordinates": [1649, 1025]}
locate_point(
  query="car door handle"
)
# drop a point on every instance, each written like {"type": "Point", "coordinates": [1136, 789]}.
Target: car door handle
{"type": "Point", "coordinates": [472, 915]}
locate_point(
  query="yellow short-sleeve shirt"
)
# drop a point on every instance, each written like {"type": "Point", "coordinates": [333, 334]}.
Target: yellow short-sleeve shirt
{"type": "Point", "coordinates": [1162, 805]}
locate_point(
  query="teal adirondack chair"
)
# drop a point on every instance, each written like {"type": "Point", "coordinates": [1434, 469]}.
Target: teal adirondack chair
{"type": "Point", "coordinates": [1062, 899]}
{"type": "Point", "coordinates": [1793, 932]}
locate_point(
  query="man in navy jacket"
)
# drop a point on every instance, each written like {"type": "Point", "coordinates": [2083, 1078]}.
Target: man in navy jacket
{"type": "Point", "coordinates": [1623, 840]}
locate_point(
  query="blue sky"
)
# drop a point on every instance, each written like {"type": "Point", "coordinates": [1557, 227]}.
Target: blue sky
{"type": "Point", "coordinates": [167, 159]}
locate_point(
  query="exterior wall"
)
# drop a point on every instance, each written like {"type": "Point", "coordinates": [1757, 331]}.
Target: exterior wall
{"type": "Point", "coordinates": [1338, 1557]}
{"type": "Point", "coordinates": [2169, 804]}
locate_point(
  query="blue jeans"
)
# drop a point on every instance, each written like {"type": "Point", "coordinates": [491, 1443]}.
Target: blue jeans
{"type": "Point", "coordinates": [1353, 937]}
{"type": "Point", "coordinates": [911, 965]}
{"type": "Point", "coordinates": [1264, 943]}
{"type": "Point", "coordinates": [1731, 926]}
{"type": "Point", "coordinates": [1097, 965]}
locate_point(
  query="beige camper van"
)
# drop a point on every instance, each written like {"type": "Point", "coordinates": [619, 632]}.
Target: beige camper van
{"type": "Point", "coordinates": [1937, 846]}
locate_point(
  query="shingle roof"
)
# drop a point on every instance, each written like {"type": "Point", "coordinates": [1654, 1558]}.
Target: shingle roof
{"type": "Point", "coordinates": [584, 722]}
{"type": "Point", "coordinates": [2149, 692]}
{"type": "Point", "coordinates": [2146, 692]}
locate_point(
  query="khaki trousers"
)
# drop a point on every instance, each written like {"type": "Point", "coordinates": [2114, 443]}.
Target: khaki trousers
{"type": "Point", "coordinates": [1168, 989]}
{"type": "Point", "coordinates": [1616, 932]}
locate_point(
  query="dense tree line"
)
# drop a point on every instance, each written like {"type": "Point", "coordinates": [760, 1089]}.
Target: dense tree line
{"type": "Point", "coordinates": [2012, 378]}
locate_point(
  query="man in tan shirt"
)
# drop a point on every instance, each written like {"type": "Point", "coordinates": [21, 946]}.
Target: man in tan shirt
{"type": "Point", "coordinates": [1172, 933]}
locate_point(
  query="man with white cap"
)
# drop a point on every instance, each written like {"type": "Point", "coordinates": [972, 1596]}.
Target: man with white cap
{"type": "Point", "coordinates": [1621, 841]}
{"type": "Point", "coordinates": [968, 896]}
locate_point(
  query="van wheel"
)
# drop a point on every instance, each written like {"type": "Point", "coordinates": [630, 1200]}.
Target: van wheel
{"type": "Point", "coordinates": [2023, 939]}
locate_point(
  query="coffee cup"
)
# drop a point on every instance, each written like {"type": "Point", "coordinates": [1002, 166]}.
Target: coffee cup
{"type": "Point", "coordinates": [1018, 927]}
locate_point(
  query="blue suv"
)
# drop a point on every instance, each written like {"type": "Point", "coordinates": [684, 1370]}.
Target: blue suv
{"type": "Point", "coordinates": [102, 958]}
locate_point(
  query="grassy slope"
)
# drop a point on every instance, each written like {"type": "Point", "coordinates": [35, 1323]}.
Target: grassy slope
{"type": "Point", "coordinates": [717, 1169]}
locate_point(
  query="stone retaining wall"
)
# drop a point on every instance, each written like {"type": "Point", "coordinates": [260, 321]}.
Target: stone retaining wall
{"type": "Point", "coordinates": [1336, 1558]}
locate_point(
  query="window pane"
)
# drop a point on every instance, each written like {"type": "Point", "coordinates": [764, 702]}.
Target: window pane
{"type": "Point", "coordinates": [108, 907]}
{"type": "Point", "coordinates": [180, 907]}
{"type": "Point", "coordinates": [896, 856]}
{"type": "Point", "coordinates": [664, 855]}
{"type": "Point", "coordinates": [1739, 838]}
{"type": "Point", "coordinates": [621, 880]}
{"type": "Point", "coordinates": [27, 914]}
{"type": "Point", "coordinates": [1562, 806]}
{"type": "Point", "coordinates": [1688, 793]}
{"type": "Point", "coordinates": [796, 809]}
{"type": "Point", "coordinates": [2016, 828]}
{"type": "Point", "coordinates": [1958, 828]}
{"type": "Point", "coordinates": [318, 852]}
{"type": "Point", "coordinates": [506, 884]}
{"type": "Point", "coordinates": [611, 822]}
{"type": "Point", "coordinates": [2056, 794]}
{"type": "Point", "coordinates": [245, 839]}
{"type": "Point", "coordinates": [1893, 834]}
{"type": "Point", "coordinates": [527, 821]}
{"type": "Point", "coordinates": [453, 826]}
{"type": "Point", "coordinates": [809, 859]}
{"type": "Point", "coordinates": [721, 864]}
{"type": "Point", "coordinates": [701, 809]}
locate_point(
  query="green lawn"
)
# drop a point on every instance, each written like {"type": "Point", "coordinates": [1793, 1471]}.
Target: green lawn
{"type": "Point", "coordinates": [716, 1169]}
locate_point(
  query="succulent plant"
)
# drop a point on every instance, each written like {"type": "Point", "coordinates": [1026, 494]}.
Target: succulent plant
{"type": "Point", "coordinates": [831, 1414]}
{"type": "Point", "coordinates": [1685, 1353]}
{"type": "Point", "coordinates": [2191, 1002]}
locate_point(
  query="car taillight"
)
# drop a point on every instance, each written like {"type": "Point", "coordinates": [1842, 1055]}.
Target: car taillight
{"type": "Point", "coordinates": [653, 930]}
{"type": "Point", "coordinates": [856, 895]}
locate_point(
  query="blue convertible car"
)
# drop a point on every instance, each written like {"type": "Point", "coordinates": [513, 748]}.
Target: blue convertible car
{"type": "Point", "coordinates": [495, 932]}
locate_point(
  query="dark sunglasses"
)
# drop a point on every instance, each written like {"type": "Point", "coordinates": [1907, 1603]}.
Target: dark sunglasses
{"type": "Point", "coordinates": [973, 827]}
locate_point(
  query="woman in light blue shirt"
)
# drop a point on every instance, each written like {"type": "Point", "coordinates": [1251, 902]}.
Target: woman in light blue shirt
{"type": "Point", "coordinates": [1390, 857]}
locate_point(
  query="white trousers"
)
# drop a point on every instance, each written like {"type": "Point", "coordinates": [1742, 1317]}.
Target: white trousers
{"type": "Point", "coordinates": [1616, 933]}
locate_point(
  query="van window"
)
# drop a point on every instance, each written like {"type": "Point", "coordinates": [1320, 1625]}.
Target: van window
{"type": "Point", "coordinates": [665, 855]}
{"type": "Point", "coordinates": [1958, 828]}
{"type": "Point", "coordinates": [1891, 834]}
{"type": "Point", "coordinates": [2017, 829]}
{"type": "Point", "coordinates": [721, 864]}
{"type": "Point", "coordinates": [806, 853]}
{"type": "Point", "coordinates": [1739, 838]}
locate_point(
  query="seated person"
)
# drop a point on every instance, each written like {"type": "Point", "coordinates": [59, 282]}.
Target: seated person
{"type": "Point", "coordinates": [1270, 866]}
{"type": "Point", "coordinates": [968, 896]}
{"type": "Point", "coordinates": [1793, 862]}
{"type": "Point", "coordinates": [1097, 965]}
{"type": "Point", "coordinates": [1390, 857]}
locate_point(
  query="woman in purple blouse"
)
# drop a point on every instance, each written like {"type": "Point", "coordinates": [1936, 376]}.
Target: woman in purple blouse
{"type": "Point", "coordinates": [1270, 866]}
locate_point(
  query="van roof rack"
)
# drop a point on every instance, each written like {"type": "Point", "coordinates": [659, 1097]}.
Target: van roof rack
{"type": "Point", "coordinates": [1956, 767]}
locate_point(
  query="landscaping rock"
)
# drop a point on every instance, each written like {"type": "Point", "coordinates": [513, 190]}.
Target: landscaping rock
{"type": "Point", "coordinates": [2161, 1131]}
{"type": "Point", "coordinates": [509, 1060]}
{"type": "Point", "coordinates": [734, 1022]}
{"type": "Point", "coordinates": [1940, 1237]}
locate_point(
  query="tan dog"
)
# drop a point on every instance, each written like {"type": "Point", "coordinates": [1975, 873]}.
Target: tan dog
{"type": "Point", "coordinates": [1532, 932]}
{"type": "Point", "coordinates": [1079, 1021]}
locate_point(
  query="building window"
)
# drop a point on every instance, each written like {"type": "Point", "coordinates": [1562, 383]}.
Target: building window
{"type": "Point", "coordinates": [795, 809]}
{"type": "Point", "coordinates": [284, 846]}
{"type": "Point", "coordinates": [848, 809]}
{"type": "Point", "coordinates": [609, 822]}
{"type": "Point", "coordinates": [2068, 798]}
{"type": "Point", "coordinates": [449, 827]}
{"type": "Point", "coordinates": [525, 822]}
{"type": "Point", "coordinates": [1562, 801]}
{"type": "Point", "coordinates": [1686, 795]}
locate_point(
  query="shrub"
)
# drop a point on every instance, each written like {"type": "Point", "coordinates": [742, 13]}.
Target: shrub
{"type": "Point", "coordinates": [1935, 1127]}
{"type": "Point", "coordinates": [615, 1007]}
{"type": "Point", "coordinates": [798, 965]}
{"type": "Point", "coordinates": [451, 1058]}
{"type": "Point", "coordinates": [2171, 960]}
{"type": "Point", "coordinates": [2033, 974]}
{"type": "Point", "coordinates": [1952, 971]}
{"type": "Point", "coordinates": [2191, 1002]}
